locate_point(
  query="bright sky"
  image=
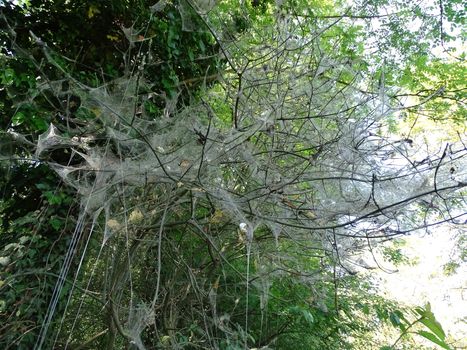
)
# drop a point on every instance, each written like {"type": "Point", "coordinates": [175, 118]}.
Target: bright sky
{"type": "Point", "coordinates": [426, 282]}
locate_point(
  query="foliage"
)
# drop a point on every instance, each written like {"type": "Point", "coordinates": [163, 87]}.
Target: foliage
{"type": "Point", "coordinates": [94, 43]}
{"type": "Point", "coordinates": [204, 175]}
{"type": "Point", "coordinates": [393, 252]}
{"type": "Point", "coordinates": [33, 221]}
{"type": "Point", "coordinates": [432, 331]}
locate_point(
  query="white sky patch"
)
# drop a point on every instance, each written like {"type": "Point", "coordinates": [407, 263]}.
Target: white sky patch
{"type": "Point", "coordinates": [426, 281]}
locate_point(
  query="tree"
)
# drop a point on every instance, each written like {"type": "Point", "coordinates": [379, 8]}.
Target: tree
{"type": "Point", "coordinates": [226, 204]}
{"type": "Point", "coordinates": [38, 211]}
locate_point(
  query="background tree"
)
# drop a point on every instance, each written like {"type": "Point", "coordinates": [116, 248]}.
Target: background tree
{"type": "Point", "coordinates": [93, 43]}
{"type": "Point", "coordinates": [229, 168]}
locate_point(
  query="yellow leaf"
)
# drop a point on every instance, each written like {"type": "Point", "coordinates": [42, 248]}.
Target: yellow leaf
{"type": "Point", "coordinates": [309, 214]}
{"type": "Point", "coordinates": [217, 217]}
{"type": "Point", "coordinates": [165, 340]}
{"type": "Point", "coordinates": [92, 11]}
{"type": "Point", "coordinates": [112, 37]}
{"type": "Point", "coordinates": [216, 284]}
{"type": "Point", "coordinates": [97, 111]}
{"type": "Point", "coordinates": [136, 216]}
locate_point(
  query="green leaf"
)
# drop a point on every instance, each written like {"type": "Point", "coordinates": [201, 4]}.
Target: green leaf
{"type": "Point", "coordinates": [191, 55]}
{"type": "Point", "coordinates": [202, 46]}
{"type": "Point", "coordinates": [308, 316]}
{"type": "Point", "coordinates": [365, 309]}
{"type": "Point", "coordinates": [305, 313]}
{"type": "Point", "coordinates": [2, 305]}
{"type": "Point", "coordinates": [429, 320]}
{"type": "Point", "coordinates": [433, 325]}
{"type": "Point", "coordinates": [56, 223]}
{"type": "Point", "coordinates": [39, 123]}
{"type": "Point", "coordinates": [42, 186]}
{"type": "Point", "coordinates": [18, 119]}
{"type": "Point", "coordinates": [395, 318]}
{"type": "Point", "coordinates": [8, 76]}
{"type": "Point", "coordinates": [434, 339]}
{"type": "Point", "coordinates": [54, 198]}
